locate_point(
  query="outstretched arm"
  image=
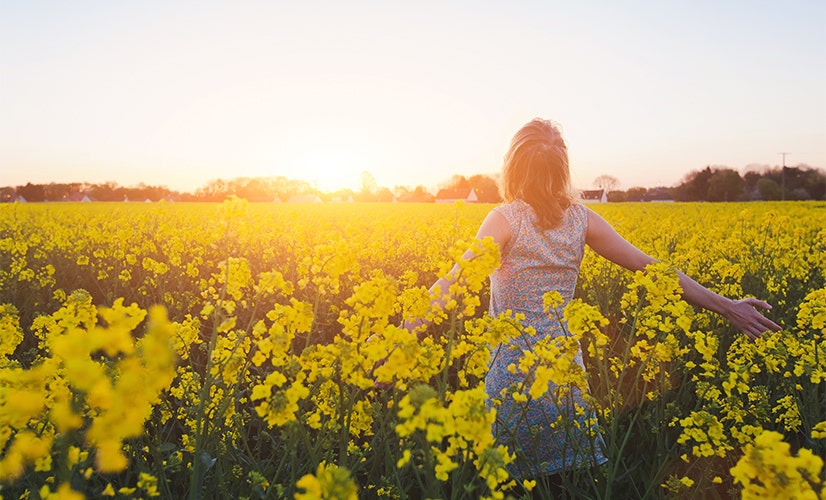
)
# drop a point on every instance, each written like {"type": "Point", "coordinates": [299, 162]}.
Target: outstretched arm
{"type": "Point", "coordinates": [494, 226]}
{"type": "Point", "coordinates": [604, 240]}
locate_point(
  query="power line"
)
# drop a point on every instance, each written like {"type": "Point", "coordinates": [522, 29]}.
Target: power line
{"type": "Point", "coordinates": [783, 176]}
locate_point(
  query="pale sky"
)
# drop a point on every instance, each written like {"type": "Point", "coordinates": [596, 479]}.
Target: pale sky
{"type": "Point", "coordinates": [179, 93]}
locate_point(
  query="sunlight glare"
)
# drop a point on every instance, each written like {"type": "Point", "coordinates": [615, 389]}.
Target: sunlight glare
{"type": "Point", "coordinates": [330, 172]}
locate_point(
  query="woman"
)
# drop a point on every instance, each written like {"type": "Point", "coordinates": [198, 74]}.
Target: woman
{"type": "Point", "coordinates": [541, 231]}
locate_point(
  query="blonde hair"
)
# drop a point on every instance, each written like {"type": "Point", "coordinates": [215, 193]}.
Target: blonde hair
{"type": "Point", "coordinates": [536, 171]}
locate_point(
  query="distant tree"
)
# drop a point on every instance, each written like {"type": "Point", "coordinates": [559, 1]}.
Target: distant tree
{"type": "Point", "coordinates": [104, 192]}
{"type": "Point", "coordinates": [254, 189]}
{"type": "Point", "coordinates": [383, 194]}
{"type": "Point", "coordinates": [635, 193]}
{"type": "Point", "coordinates": [795, 180]}
{"type": "Point", "coordinates": [724, 184]}
{"type": "Point", "coordinates": [214, 190]}
{"type": "Point", "coordinates": [61, 191]}
{"type": "Point", "coordinates": [815, 184]}
{"type": "Point", "coordinates": [264, 189]}
{"type": "Point", "coordinates": [155, 193]}
{"type": "Point", "coordinates": [134, 193]}
{"type": "Point", "coordinates": [457, 182]}
{"type": "Point", "coordinates": [606, 182]}
{"type": "Point", "coordinates": [418, 195]}
{"type": "Point", "coordinates": [793, 177]}
{"type": "Point", "coordinates": [486, 187]}
{"type": "Point", "coordinates": [750, 179]}
{"type": "Point", "coordinates": [32, 192]}
{"type": "Point", "coordinates": [400, 191]}
{"type": "Point", "coordinates": [617, 196]}
{"type": "Point", "coordinates": [694, 186]}
{"type": "Point", "coordinates": [368, 183]}
{"type": "Point", "coordinates": [7, 193]}
{"type": "Point", "coordinates": [345, 194]}
{"type": "Point", "coordinates": [284, 188]}
{"type": "Point", "coordinates": [768, 189]}
{"type": "Point", "coordinates": [798, 193]}
{"type": "Point", "coordinates": [659, 193]}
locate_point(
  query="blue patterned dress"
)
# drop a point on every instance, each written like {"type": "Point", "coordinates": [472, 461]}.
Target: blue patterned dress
{"type": "Point", "coordinates": [536, 261]}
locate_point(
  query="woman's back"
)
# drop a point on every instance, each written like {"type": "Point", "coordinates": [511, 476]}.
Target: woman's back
{"type": "Point", "coordinates": [536, 261]}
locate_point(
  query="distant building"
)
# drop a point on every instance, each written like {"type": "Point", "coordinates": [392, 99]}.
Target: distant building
{"type": "Point", "coordinates": [304, 198]}
{"type": "Point", "coordinates": [593, 196]}
{"type": "Point", "coordinates": [19, 199]}
{"type": "Point", "coordinates": [81, 197]}
{"type": "Point", "coordinates": [452, 195]}
{"type": "Point", "coordinates": [658, 194]}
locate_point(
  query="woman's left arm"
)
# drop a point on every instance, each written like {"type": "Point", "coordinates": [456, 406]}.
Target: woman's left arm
{"type": "Point", "coordinates": [605, 240]}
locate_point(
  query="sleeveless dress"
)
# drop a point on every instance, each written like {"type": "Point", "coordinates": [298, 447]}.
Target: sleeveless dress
{"type": "Point", "coordinates": [536, 261]}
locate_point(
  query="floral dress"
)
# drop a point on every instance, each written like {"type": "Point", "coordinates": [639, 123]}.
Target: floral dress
{"type": "Point", "coordinates": [536, 261]}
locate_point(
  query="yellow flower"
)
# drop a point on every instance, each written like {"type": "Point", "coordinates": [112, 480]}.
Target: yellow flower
{"type": "Point", "coordinates": [25, 448]}
{"type": "Point", "coordinates": [329, 482]}
{"type": "Point", "coordinates": [279, 407]}
{"type": "Point", "coordinates": [10, 332]}
{"type": "Point", "coordinates": [819, 430]}
{"type": "Point", "coordinates": [149, 484]}
{"type": "Point", "coordinates": [767, 469]}
{"type": "Point", "coordinates": [63, 492]}
{"type": "Point", "coordinates": [404, 460]}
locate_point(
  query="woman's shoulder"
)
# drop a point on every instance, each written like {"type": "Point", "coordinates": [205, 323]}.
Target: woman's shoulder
{"type": "Point", "coordinates": [514, 210]}
{"type": "Point", "coordinates": [517, 205]}
{"type": "Point", "coordinates": [518, 211]}
{"type": "Point", "coordinates": [578, 209]}
{"type": "Point", "coordinates": [577, 214]}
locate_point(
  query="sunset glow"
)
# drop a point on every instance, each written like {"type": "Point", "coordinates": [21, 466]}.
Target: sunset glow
{"type": "Point", "coordinates": [164, 94]}
{"type": "Point", "coordinates": [330, 172]}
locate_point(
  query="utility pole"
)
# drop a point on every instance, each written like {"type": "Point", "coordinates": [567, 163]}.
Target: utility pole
{"type": "Point", "coordinates": [783, 176]}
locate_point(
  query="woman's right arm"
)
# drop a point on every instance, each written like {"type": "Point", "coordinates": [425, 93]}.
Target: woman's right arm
{"type": "Point", "coordinates": [605, 240]}
{"type": "Point", "coordinates": [495, 226]}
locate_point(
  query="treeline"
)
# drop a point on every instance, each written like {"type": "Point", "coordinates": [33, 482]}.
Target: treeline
{"type": "Point", "coordinates": [254, 189]}
{"type": "Point", "coordinates": [78, 191]}
{"type": "Point", "coordinates": [726, 184]}
{"type": "Point", "coordinates": [263, 189]}
{"type": "Point", "coordinates": [709, 184]}
{"type": "Point", "coordinates": [267, 189]}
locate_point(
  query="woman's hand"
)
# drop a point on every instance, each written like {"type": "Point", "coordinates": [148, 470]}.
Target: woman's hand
{"type": "Point", "coordinates": [376, 383]}
{"type": "Point", "coordinates": [744, 315]}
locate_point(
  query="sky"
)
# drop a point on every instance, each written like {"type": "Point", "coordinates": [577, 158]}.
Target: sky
{"type": "Point", "coordinates": [178, 93]}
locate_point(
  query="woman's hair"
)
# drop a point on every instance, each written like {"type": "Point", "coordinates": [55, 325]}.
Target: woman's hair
{"type": "Point", "coordinates": [536, 171]}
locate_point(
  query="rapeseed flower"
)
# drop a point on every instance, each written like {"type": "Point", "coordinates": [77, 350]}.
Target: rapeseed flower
{"type": "Point", "coordinates": [330, 482]}
{"type": "Point", "coordinates": [768, 469]}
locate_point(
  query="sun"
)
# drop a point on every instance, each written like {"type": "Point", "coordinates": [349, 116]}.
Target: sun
{"type": "Point", "coordinates": [331, 172]}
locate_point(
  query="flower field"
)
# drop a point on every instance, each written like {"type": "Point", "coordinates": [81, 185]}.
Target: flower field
{"type": "Point", "coordinates": [244, 350]}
